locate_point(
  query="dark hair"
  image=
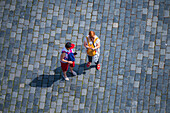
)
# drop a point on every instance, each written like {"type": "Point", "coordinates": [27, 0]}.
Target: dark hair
{"type": "Point", "coordinates": [68, 45]}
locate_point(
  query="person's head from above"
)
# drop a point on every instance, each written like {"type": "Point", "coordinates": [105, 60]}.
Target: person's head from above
{"type": "Point", "coordinates": [92, 34]}
{"type": "Point", "coordinates": [69, 45]}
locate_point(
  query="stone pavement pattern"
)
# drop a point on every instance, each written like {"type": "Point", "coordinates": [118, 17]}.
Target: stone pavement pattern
{"type": "Point", "coordinates": [135, 56]}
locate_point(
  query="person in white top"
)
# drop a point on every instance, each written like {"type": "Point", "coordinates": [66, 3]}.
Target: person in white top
{"type": "Point", "coordinates": [92, 44]}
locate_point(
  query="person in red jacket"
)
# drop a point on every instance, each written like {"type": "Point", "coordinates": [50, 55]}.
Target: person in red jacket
{"type": "Point", "coordinates": [68, 49]}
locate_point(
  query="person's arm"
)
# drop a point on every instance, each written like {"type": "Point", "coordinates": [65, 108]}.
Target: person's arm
{"type": "Point", "coordinates": [85, 45]}
{"type": "Point", "coordinates": [62, 58]}
{"type": "Point", "coordinates": [97, 46]}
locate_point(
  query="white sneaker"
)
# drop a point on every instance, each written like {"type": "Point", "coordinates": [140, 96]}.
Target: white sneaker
{"type": "Point", "coordinates": [65, 78]}
{"type": "Point", "coordinates": [73, 73]}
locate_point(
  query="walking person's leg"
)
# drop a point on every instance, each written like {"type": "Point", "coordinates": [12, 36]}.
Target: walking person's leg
{"type": "Point", "coordinates": [90, 61]}
{"type": "Point", "coordinates": [71, 69]}
{"type": "Point", "coordinates": [64, 67]}
{"type": "Point", "coordinates": [64, 72]}
{"type": "Point", "coordinates": [96, 61]}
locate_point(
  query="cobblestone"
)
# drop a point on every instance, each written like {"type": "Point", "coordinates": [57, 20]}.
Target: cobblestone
{"type": "Point", "coordinates": [134, 57]}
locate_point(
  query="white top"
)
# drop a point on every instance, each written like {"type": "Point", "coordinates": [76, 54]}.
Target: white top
{"type": "Point", "coordinates": [64, 50]}
{"type": "Point", "coordinates": [97, 41]}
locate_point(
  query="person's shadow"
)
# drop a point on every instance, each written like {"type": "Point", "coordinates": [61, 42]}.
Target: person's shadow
{"type": "Point", "coordinates": [48, 80]}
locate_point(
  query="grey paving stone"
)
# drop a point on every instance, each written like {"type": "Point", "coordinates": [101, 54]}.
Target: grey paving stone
{"type": "Point", "coordinates": [131, 63]}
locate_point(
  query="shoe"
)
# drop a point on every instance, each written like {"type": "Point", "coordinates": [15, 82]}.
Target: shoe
{"type": "Point", "coordinates": [88, 64]}
{"type": "Point", "coordinates": [98, 66]}
{"type": "Point", "coordinates": [74, 73]}
{"type": "Point", "coordinates": [65, 78]}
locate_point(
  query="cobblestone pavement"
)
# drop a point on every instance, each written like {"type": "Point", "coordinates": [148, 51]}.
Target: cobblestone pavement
{"type": "Point", "coordinates": [135, 56]}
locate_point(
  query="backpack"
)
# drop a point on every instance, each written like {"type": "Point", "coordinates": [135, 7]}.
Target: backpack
{"type": "Point", "coordinates": [71, 57]}
{"type": "Point", "coordinates": [91, 52]}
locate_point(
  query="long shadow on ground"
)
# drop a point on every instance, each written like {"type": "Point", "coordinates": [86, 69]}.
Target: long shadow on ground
{"type": "Point", "coordinates": [48, 80]}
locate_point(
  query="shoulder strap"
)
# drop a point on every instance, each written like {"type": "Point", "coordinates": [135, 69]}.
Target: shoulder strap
{"type": "Point", "coordinates": [94, 41]}
{"type": "Point", "coordinates": [87, 40]}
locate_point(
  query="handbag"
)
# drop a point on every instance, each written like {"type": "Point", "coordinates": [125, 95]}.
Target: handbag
{"type": "Point", "coordinates": [91, 52]}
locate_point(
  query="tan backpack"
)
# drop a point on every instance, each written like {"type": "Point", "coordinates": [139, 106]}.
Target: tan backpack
{"type": "Point", "coordinates": [91, 52]}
